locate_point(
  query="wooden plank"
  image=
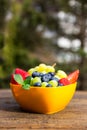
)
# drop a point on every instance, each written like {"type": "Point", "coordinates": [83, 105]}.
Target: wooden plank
{"type": "Point", "coordinates": [73, 117]}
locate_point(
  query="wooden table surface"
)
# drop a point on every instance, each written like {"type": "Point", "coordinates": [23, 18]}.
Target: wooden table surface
{"type": "Point", "coordinates": [73, 117]}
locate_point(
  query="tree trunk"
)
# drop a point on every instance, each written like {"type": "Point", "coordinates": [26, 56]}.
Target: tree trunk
{"type": "Point", "coordinates": [82, 39]}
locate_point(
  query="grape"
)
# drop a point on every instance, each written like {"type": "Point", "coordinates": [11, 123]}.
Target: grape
{"type": "Point", "coordinates": [31, 82]}
{"type": "Point", "coordinates": [54, 83]}
{"type": "Point", "coordinates": [36, 79]}
{"type": "Point", "coordinates": [57, 76]}
{"type": "Point", "coordinates": [36, 68]}
{"type": "Point", "coordinates": [31, 70]}
{"type": "Point", "coordinates": [44, 84]}
{"type": "Point", "coordinates": [42, 67]}
{"type": "Point", "coordinates": [50, 69]}
{"type": "Point", "coordinates": [61, 74]}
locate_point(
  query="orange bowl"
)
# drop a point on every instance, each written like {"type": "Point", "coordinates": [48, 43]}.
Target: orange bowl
{"type": "Point", "coordinates": [43, 100]}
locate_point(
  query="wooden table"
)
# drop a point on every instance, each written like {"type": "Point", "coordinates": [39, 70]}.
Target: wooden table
{"type": "Point", "coordinates": [73, 117]}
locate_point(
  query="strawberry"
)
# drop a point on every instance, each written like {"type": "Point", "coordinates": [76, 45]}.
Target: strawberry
{"type": "Point", "coordinates": [12, 79]}
{"type": "Point", "coordinates": [64, 81]}
{"type": "Point", "coordinates": [72, 77]}
{"type": "Point", "coordinates": [23, 73]}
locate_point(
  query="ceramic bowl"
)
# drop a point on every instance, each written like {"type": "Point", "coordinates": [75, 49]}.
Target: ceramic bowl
{"type": "Point", "coordinates": [43, 100]}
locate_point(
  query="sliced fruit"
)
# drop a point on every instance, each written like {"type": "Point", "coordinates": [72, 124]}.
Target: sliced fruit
{"type": "Point", "coordinates": [64, 81]}
{"type": "Point", "coordinates": [23, 73]}
{"type": "Point", "coordinates": [43, 76]}
{"type": "Point", "coordinates": [72, 77]}
{"type": "Point", "coordinates": [12, 80]}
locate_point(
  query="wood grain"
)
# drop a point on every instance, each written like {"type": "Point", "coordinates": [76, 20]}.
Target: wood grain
{"type": "Point", "coordinates": [73, 117]}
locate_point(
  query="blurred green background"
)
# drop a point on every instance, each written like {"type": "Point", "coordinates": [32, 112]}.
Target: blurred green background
{"type": "Point", "coordinates": [43, 31]}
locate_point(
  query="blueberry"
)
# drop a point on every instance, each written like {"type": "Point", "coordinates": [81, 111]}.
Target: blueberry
{"type": "Point", "coordinates": [35, 74]}
{"type": "Point", "coordinates": [54, 78]}
{"type": "Point", "coordinates": [49, 76]}
{"type": "Point", "coordinates": [60, 84]}
{"type": "Point", "coordinates": [52, 74]}
{"type": "Point", "coordinates": [49, 85]}
{"type": "Point", "coordinates": [41, 74]}
{"type": "Point", "coordinates": [37, 84]}
{"type": "Point", "coordinates": [46, 77]}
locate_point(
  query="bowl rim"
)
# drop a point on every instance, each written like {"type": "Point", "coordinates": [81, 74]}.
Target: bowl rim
{"type": "Point", "coordinates": [34, 87]}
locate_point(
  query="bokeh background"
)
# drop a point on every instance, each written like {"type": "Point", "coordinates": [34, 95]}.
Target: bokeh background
{"type": "Point", "coordinates": [48, 31]}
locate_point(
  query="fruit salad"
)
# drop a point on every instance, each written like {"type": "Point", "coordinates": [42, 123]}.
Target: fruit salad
{"type": "Point", "coordinates": [43, 76]}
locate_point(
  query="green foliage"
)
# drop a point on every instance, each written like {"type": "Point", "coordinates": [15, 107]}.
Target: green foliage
{"type": "Point", "coordinates": [4, 4]}
{"type": "Point", "coordinates": [21, 45]}
{"type": "Point", "coordinates": [1, 41]}
{"type": "Point", "coordinates": [18, 78]}
{"type": "Point", "coordinates": [25, 83]}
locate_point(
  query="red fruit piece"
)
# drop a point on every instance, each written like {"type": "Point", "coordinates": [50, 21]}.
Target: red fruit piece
{"type": "Point", "coordinates": [23, 73]}
{"type": "Point", "coordinates": [64, 81]}
{"type": "Point", "coordinates": [72, 77]}
{"type": "Point", "coordinates": [12, 79]}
